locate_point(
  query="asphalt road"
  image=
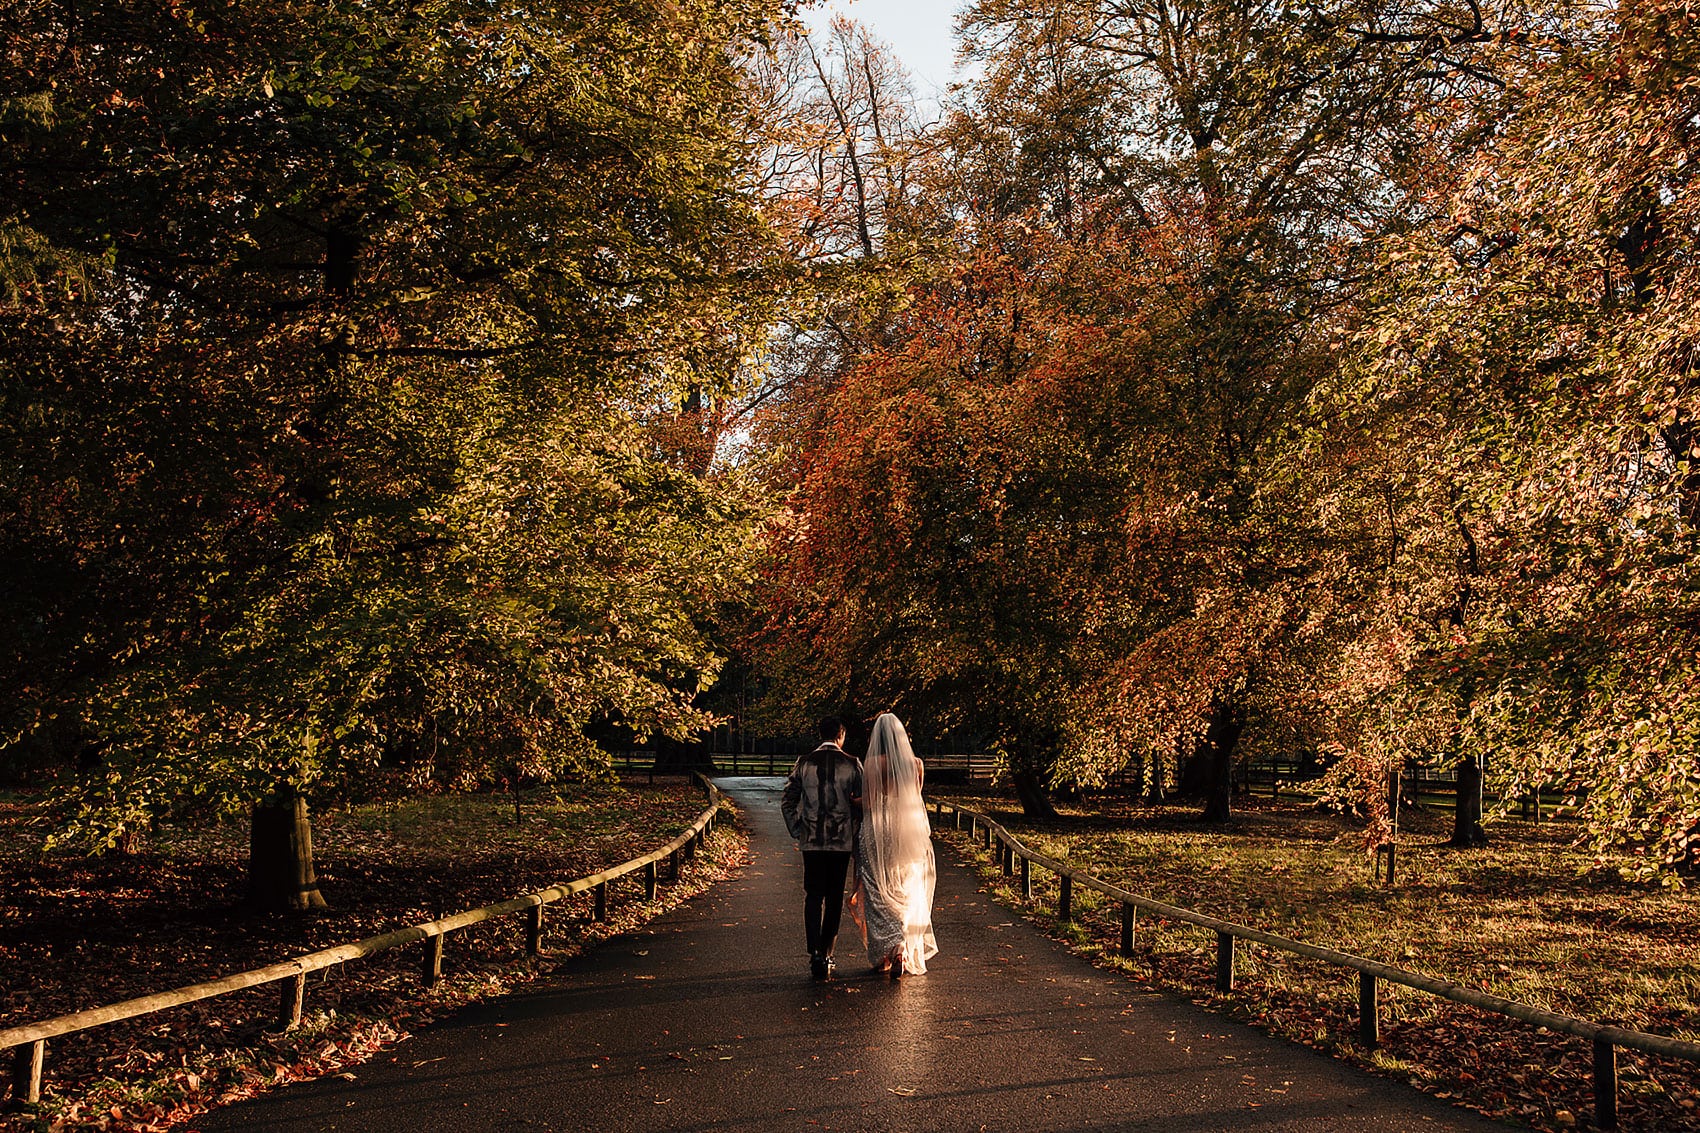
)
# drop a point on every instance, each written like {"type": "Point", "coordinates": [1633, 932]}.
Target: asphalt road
{"type": "Point", "coordinates": [706, 1019]}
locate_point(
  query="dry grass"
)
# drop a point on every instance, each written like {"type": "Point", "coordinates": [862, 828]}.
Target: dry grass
{"type": "Point", "coordinates": [76, 932]}
{"type": "Point", "coordinates": [1526, 918]}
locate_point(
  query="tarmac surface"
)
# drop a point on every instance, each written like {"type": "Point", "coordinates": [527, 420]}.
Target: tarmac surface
{"type": "Point", "coordinates": [706, 1019]}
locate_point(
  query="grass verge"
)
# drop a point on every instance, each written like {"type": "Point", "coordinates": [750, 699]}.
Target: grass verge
{"type": "Point", "coordinates": [1526, 918]}
{"type": "Point", "coordinates": [89, 932]}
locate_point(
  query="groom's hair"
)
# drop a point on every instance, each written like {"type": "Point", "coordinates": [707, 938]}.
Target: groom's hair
{"type": "Point", "coordinates": [830, 727]}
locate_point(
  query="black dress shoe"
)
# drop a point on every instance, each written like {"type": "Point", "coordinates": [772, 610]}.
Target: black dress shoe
{"type": "Point", "coordinates": [819, 966]}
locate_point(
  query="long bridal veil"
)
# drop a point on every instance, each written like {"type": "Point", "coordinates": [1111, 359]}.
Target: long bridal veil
{"type": "Point", "coordinates": [896, 871]}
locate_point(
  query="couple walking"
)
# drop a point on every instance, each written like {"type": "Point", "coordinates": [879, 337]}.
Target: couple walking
{"type": "Point", "coordinates": [867, 813]}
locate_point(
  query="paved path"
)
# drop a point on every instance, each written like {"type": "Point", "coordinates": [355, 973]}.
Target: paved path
{"type": "Point", "coordinates": [705, 1019]}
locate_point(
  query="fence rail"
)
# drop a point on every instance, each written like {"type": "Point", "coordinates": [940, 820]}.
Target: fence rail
{"type": "Point", "coordinates": [1606, 1039]}
{"type": "Point", "coordinates": [28, 1043]}
{"type": "Point", "coordinates": [974, 767]}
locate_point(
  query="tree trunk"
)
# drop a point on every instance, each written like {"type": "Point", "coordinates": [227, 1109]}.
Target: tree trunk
{"type": "Point", "coordinates": [1029, 767]}
{"type": "Point", "coordinates": [1210, 772]}
{"type": "Point", "coordinates": [280, 855]}
{"type": "Point", "coordinates": [1467, 829]}
{"type": "Point", "coordinates": [1196, 772]}
{"type": "Point", "coordinates": [1035, 799]}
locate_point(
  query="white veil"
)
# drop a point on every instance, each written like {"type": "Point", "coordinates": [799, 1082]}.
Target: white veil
{"type": "Point", "coordinates": [897, 871]}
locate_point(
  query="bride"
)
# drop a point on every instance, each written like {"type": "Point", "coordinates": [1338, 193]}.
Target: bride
{"type": "Point", "coordinates": [893, 899]}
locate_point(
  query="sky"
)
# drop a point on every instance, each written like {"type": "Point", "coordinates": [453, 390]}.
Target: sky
{"type": "Point", "coordinates": [918, 30]}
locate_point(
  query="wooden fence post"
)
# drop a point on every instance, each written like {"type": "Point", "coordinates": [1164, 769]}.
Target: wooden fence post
{"type": "Point", "coordinates": [433, 968]}
{"type": "Point", "coordinates": [1224, 961]}
{"type": "Point", "coordinates": [534, 930]}
{"type": "Point", "coordinates": [1369, 1017]}
{"type": "Point", "coordinates": [292, 992]}
{"type": "Point", "coordinates": [1006, 859]}
{"type": "Point", "coordinates": [649, 872]}
{"type": "Point", "coordinates": [1026, 879]}
{"type": "Point", "coordinates": [1065, 899]}
{"type": "Point", "coordinates": [1605, 1084]}
{"type": "Point", "coordinates": [1127, 929]}
{"type": "Point", "coordinates": [1389, 850]}
{"type": "Point", "coordinates": [673, 862]}
{"type": "Point", "coordinates": [28, 1063]}
{"type": "Point", "coordinates": [601, 912]}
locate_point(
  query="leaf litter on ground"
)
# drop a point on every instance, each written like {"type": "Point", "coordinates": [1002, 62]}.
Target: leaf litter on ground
{"type": "Point", "coordinates": [95, 931]}
{"type": "Point", "coordinates": [1526, 918]}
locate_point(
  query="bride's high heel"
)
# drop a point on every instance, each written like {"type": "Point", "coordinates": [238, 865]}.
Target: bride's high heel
{"type": "Point", "coordinates": [897, 966]}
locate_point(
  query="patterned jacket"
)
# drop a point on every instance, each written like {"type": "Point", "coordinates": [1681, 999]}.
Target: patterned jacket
{"type": "Point", "coordinates": [822, 802]}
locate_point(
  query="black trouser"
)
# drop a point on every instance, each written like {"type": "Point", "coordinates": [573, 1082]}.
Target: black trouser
{"type": "Point", "coordinates": [823, 885]}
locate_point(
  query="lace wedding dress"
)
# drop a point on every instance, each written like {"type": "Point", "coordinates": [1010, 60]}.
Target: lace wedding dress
{"type": "Point", "coordinates": [895, 873]}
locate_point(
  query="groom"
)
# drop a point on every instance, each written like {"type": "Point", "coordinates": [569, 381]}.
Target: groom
{"type": "Point", "coordinates": [822, 804]}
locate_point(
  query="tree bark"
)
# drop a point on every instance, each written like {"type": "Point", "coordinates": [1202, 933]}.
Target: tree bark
{"type": "Point", "coordinates": [1195, 772]}
{"type": "Point", "coordinates": [1467, 828]}
{"type": "Point", "coordinates": [1030, 764]}
{"type": "Point", "coordinates": [1035, 799]}
{"type": "Point", "coordinates": [1210, 772]}
{"type": "Point", "coordinates": [280, 855]}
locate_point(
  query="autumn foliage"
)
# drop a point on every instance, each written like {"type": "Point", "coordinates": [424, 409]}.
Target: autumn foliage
{"type": "Point", "coordinates": [350, 357]}
{"type": "Point", "coordinates": [1284, 386]}
{"type": "Point", "coordinates": [393, 394]}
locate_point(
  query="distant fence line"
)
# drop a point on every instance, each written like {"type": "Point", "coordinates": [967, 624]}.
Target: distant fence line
{"type": "Point", "coordinates": [962, 767]}
{"type": "Point", "coordinates": [1606, 1039]}
{"type": "Point", "coordinates": [28, 1043]}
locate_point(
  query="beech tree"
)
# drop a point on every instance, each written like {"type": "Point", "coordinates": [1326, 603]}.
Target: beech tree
{"type": "Point", "coordinates": [1530, 378]}
{"type": "Point", "coordinates": [932, 556]}
{"type": "Point", "coordinates": [343, 347]}
{"type": "Point", "coordinates": [843, 162]}
{"type": "Point", "coordinates": [1311, 379]}
{"type": "Point", "coordinates": [1190, 182]}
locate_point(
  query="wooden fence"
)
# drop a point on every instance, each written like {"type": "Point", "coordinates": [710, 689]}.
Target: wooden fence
{"type": "Point", "coordinates": [954, 765]}
{"type": "Point", "coordinates": [1606, 1040]}
{"type": "Point", "coordinates": [28, 1043]}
